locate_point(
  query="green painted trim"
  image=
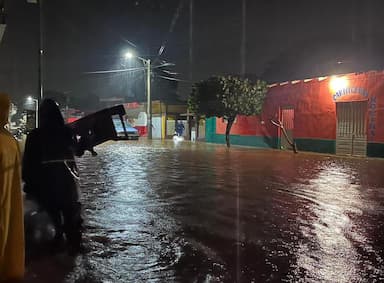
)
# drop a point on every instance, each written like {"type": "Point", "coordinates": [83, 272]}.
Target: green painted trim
{"type": "Point", "coordinates": [303, 144]}
{"type": "Point", "coordinates": [316, 145]}
{"type": "Point", "coordinates": [256, 141]}
{"type": "Point", "coordinates": [375, 149]}
{"type": "Point", "coordinates": [210, 129]}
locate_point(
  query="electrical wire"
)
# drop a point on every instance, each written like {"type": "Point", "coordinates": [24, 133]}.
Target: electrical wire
{"type": "Point", "coordinates": [129, 69]}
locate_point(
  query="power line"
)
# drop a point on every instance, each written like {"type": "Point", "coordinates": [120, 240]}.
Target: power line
{"type": "Point", "coordinates": [129, 69]}
{"type": "Point", "coordinates": [172, 79]}
{"type": "Point", "coordinates": [116, 71]}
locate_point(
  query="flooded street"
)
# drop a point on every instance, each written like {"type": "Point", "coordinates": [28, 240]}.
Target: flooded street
{"type": "Point", "coordinates": [166, 212]}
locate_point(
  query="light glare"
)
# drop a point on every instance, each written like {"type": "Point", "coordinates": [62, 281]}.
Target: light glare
{"type": "Point", "coordinates": [338, 83]}
{"type": "Point", "coordinates": [128, 55]}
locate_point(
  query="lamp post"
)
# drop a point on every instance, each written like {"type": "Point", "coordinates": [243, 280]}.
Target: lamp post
{"type": "Point", "coordinates": [40, 69]}
{"type": "Point", "coordinates": [34, 100]}
{"type": "Point", "coordinates": [2, 19]}
{"type": "Point", "coordinates": [147, 63]}
{"type": "Point", "coordinates": [41, 52]}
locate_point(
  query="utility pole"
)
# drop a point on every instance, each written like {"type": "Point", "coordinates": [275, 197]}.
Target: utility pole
{"type": "Point", "coordinates": [195, 122]}
{"type": "Point", "coordinates": [41, 53]}
{"type": "Point", "coordinates": [2, 19]}
{"type": "Point", "coordinates": [149, 101]}
{"type": "Point", "coordinates": [191, 40]}
{"type": "Point", "coordinates": [146, 63]}
{"type": "Point", "coordinates": [243, 37]}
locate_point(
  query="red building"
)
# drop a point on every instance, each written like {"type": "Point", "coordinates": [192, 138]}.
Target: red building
{"type": "Point", "coordinates": [341, 114]}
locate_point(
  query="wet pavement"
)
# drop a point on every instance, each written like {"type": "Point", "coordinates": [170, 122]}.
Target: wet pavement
{"type": "Point", "coordinates": [166, 212]}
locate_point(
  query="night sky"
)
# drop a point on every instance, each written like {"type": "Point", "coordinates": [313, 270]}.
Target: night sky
{"type": "Point", "coordinates": [285, 40]}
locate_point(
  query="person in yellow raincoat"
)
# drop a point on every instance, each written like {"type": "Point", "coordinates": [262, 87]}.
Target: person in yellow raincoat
{"type": "Point", "coordinates": [12, 251]}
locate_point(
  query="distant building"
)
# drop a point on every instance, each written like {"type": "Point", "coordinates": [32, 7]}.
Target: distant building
{"type": "Point", "coordinates": [338, 115]}
{"type": "Point", "coordinates": [164, 117]}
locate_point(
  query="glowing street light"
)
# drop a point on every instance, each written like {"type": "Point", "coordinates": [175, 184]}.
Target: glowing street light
{"type": "Point", "coordinates": [147, 63]}
{"type": "Point", "coordinates": [128, 55]}
{"type": "Point", "coordinates": [30, 99]}
{"type": "Point", "coordinates": [338, 83]}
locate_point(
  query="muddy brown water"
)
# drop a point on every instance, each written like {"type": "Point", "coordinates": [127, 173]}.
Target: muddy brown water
{"type": "Point", "coordinates": [194, 212]}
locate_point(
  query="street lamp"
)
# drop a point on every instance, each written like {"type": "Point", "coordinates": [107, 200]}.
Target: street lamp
{"type": "Point", "coordinates": [41, 54]}
{"type": "Point", "coordinates": [338, 83]}
{"type": "Point", "coordinates": [31, 99]}
{"type": "Point", "coordinates": [2, 20]}
{"type": "Point", "coordinates": [147, 63]}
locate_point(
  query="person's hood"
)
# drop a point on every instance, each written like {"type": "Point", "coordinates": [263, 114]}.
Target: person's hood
{"type": "Point", "coordinates": [50, 115]}
{"type": "Point", "coordinates": [5, 104]}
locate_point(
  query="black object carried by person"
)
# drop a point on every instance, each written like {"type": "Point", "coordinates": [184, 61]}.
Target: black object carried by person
{"type": "Point", "coordinates": [97, 128]}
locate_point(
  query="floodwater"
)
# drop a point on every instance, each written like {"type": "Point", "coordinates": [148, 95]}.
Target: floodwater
{"type": "Point", "coordinates": [166, 212]}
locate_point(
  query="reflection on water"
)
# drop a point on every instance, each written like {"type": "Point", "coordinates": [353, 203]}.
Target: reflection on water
{"type": "Point", "coordinates": [328, 251]}
{"type": "Point", "coordinates": [337, 240]}
{"type": "Point", "coordinates": [202, 213]}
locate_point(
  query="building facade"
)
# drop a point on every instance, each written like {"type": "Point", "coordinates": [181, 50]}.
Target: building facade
{"type": "Point", "coordinates": [341, 114]}
{"type": "Point", "coordinates": [164, 117]}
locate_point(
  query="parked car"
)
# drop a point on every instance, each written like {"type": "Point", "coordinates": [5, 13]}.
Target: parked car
{"type": "Point", "coordinates": [132, 133]}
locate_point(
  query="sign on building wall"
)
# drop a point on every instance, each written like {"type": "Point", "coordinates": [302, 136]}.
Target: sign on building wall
{"type": "Point", "coordinates": [372, 117]}
{"type": "Point", "coordinates": [350, 91]}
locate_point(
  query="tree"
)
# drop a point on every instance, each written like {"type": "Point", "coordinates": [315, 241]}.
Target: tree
{"type": "Point", "coordinates": [227, 97]}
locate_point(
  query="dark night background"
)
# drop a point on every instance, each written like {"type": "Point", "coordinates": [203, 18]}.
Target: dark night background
{"type": "Point", "coordinates": [285, 40]}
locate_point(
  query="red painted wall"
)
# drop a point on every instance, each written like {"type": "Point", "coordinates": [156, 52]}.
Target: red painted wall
{"type": "Point", "coordinates": [314, 102]}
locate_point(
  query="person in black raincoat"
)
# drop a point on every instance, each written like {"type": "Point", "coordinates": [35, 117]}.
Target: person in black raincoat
{"type": "Point", "coordinates": [49, 172]}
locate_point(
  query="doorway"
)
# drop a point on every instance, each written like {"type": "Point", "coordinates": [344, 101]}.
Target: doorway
{"type": "Point", "coordinates": [351, 131]}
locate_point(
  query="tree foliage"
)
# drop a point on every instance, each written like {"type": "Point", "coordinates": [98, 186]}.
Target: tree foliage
{"type": "Point", "coordinates": [227, 97]}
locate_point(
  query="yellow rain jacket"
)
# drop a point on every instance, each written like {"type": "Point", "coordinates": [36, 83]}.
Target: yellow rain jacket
{"type": "Point", "coordinates": [11, 203]}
